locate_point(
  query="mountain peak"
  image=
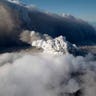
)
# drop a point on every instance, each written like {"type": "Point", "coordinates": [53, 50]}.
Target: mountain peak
{"type": "Point", "coordinates": [14, 1]}
{"type": "Point", "coordinates": [54, 46]}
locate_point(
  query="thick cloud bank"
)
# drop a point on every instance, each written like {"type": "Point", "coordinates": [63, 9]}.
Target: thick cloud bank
{"type": "Point", "coordinates": [15, 17]}
{"type": "Point", "coordinates": [44, 75]}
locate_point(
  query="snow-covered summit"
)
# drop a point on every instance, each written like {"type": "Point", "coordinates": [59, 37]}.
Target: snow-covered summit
{"type": "Point", "coordinates": [56, 46]}
{"type": "Point", "coordinates": [14, 1]}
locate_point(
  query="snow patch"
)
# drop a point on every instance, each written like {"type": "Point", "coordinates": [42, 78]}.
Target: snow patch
{"type": "Point", "coordinates": [14, 1]}
{"type": "Point", "coordinates": [56, 46]}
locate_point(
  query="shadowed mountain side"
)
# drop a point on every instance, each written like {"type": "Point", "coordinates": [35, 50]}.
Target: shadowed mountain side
{"type": "Point", "coordinates": [17, 17]}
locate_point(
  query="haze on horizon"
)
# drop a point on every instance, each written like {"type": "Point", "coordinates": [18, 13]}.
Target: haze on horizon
{"type": "Point", "coordinates": [84, 9]}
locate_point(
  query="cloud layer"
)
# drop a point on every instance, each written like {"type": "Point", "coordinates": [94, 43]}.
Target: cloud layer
{"type": "Point", "coordinates": [44, 75]}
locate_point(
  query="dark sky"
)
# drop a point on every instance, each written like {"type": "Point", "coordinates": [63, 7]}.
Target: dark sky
{"type": "Point", "coordinates": [85, 9]}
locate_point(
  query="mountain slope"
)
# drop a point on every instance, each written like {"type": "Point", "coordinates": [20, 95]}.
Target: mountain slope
{"type": "Point", "coordinates": [18, 17]}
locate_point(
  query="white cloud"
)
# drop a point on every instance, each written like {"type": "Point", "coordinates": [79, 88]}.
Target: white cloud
{"type": "Point", "coordinates": [44, 75]}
